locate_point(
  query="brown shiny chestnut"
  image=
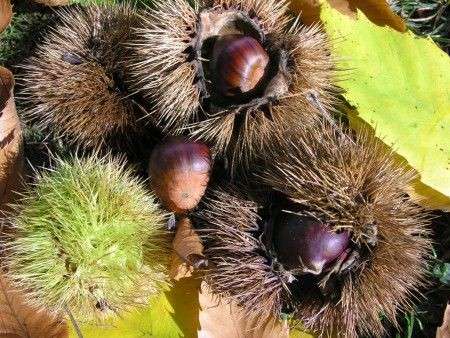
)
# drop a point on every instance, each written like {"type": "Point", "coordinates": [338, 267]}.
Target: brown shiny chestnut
{"type": "Point", "coordinates": [179, 172]}
{"type": "Point", "coordinates": [306, 245]}
{"type": "Point", "coordinates": [238, 64]}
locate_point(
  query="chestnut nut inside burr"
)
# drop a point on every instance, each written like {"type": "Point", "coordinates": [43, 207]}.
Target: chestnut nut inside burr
{"type": "Point", "coordinates": [179, 172]}
{"type": "Point", "coordinates": [238, 64]}
{"type": "Point", "coordinates": [306, 245]}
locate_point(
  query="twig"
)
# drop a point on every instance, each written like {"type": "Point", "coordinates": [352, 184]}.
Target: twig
{"type": "Point", "coordinates": [74, 322]}
{"type": "Point", "coordinates": [314, 100]}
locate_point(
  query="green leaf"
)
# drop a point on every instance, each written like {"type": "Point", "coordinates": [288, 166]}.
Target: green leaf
{"type": "Point", "coordinates": [400, 85]}
{"type": "Point", "coordinates": [156, 320]}
{"type": "Point", "coordinates": [18, 39]}
{"type": "Point", "coordinates": [442, 272]}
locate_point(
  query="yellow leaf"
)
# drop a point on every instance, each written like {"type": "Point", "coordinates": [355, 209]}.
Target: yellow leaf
{"type": "Point", "coordinates": [399, 85]}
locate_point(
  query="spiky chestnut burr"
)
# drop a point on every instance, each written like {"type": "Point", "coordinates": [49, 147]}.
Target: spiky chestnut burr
{"type": "Point", "coordinates": [179, 172]}
{"type": "Point", "coordinates": [88, 237]}
{"type": "Point", "coordinates": [195, 61]}
{"type": "Point", "coordinates": [75, 84]}
{"type": "Point", "coordinates": [348, 182]}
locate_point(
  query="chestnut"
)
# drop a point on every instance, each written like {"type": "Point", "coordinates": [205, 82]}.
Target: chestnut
{"type": "Point", "coordinates": [179, 172]}
{"type": "Point", "coordinates": [306, 245]}
{"type": "Point", "coordinates": [238, 64]}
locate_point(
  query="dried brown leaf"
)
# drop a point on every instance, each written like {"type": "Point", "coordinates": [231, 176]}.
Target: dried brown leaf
{"type": "Point", "coordinates": [17, 319]}
{"type": "Point", "coordinates": [5, 14]}
{"type": "Point", "coordinates": [309, 10]}
{"type": "Point", "coordinates": [344, 7]}
{"type": "Point", "coordinates": [377, 11]}
{"type": "Point", "coordinates": [444, 330]}
{"type": "Point", "coordinates": [11, 156]}
{"type": "Point", "coordinates": [222, 319]}
{"type": "Point", "coordinates": [187, 250]}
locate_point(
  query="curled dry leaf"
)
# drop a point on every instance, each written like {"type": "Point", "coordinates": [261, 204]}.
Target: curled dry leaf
{"type": "Point", "coordinates": [344, 7]}
{"type": "Point", "coordinates": [53, 2]}
{"type": "Point", "coordinates": [377, 11]}
{"type": "Point", "coordinates": [187, 251]}
{"type": "Point", "coordinates": [309, 10]}
{"type": "Point", "coordinates": [17, 319]}
{"type": "Point", "coordinates": [220, 319]}
{"type": "Point", "coordinates": [11, 156]}
{"type": "Point", "coordinates": [444, 330]}
{"type": "Point", "coordinates": [5, 14]}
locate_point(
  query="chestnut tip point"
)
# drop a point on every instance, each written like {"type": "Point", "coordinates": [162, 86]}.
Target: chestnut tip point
{"type": "Point", "coordinates": [172, 222]}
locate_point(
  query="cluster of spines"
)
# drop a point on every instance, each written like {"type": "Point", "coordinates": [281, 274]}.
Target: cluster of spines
{"type": "Point", "coordinates": [88, 236]}
{"type": "Point", "coordinates": [164, 72]}
{"type": "Point", "coordinates": [227, 222]}
{"type": "Point", "coordinates": [350, 182]}
{"type": "Point", "coordinates": [74, 84]}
